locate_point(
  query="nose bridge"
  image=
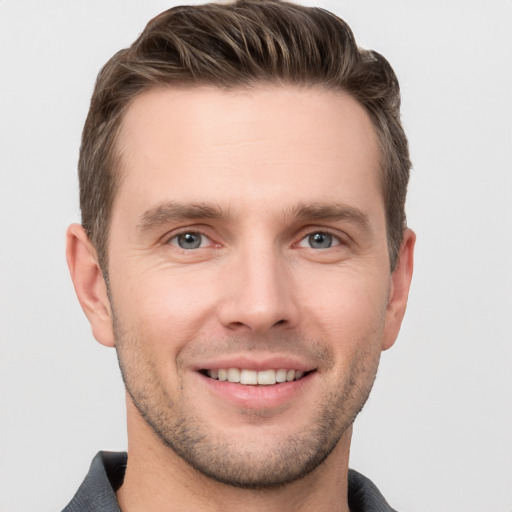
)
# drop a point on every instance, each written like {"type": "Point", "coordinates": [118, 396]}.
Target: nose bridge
{"type": "Point", "coordinates": [260, 294]}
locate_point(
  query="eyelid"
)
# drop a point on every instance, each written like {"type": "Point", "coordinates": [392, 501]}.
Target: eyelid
{"type": "Point", "coordinates": [168, 238]}
{"type": "Point", "coordinates": [340, 238]}
{"type": "Point", "coordinates": [174, 240]}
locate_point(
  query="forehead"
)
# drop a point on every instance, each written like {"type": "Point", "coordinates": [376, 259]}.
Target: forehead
{"type": "Point", "coordinates": [238, 146]}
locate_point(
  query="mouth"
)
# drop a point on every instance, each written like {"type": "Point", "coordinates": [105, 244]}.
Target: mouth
{"type": "Point", "coordinates": [249, 377]}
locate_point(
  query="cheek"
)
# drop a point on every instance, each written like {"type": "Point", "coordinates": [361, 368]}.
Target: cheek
{"type": "Point", "coordinates": [165, 308]}
{"type": "Point", "coordinates": [346, 306]}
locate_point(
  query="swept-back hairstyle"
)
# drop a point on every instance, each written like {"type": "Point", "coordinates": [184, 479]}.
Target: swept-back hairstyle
{"type": "Point", "coordinates": [236, 45]}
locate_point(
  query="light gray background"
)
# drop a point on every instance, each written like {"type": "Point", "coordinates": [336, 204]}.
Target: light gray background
{"type": "Point", "coordinates": [436, 434]}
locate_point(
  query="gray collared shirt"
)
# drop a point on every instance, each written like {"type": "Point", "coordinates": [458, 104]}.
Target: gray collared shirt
{"type": "Point", "coordinates": [98, 491]}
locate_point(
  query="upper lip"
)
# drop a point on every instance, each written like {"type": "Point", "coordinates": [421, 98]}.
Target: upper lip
{"type": "Point", "coordinates": [256, 363]}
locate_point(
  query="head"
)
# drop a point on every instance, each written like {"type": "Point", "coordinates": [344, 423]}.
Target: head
{"type": "Point", "coordinates": [234, 46]}
{"type": "Point", "coordinates": [243, 175]}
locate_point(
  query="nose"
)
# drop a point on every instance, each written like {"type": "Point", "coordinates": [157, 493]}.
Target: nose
{"type": "Point", "coordinates": [258, 292]}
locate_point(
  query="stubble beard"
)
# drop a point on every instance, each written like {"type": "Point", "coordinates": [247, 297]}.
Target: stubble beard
{"type": "Point", "coordinates": [231, 461]}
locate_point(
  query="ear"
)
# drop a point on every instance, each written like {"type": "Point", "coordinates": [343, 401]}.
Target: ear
{"type": "Point", "coordinates": [399, 289]}
{"type": "Point", "coordinates": [89, 284]}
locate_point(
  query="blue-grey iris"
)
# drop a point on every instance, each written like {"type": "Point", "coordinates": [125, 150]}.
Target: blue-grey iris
{"type": "Point", "coordinates": [189, 240]}
{"type": "Point", "coordinates": [320, 240]}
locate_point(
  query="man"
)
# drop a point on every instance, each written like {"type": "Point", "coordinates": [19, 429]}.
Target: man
{"type": "Point", "coordinates": [243, 246]}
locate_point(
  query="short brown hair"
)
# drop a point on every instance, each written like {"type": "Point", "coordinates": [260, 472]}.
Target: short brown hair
{"type": "Point", "coordinates": [240, 44]}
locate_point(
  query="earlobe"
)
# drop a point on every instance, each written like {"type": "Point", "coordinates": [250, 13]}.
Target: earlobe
{"type": "Point", "coordinates": [89, 284]}
{"type": "Point", "coordinates": [399, 289]}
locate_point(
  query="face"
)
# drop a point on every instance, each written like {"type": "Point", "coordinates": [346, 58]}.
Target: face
{"type": "Point", "coordinates": [249, 276]}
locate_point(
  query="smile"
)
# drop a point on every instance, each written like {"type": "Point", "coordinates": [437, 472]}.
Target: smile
{"type": "Point", "coordinates": [255, 378]}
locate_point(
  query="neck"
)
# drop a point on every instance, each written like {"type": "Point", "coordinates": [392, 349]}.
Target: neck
{"type": "Point", "coordinates": [166, 483]}
{"type": "Point", "coordinates": [157, 479]}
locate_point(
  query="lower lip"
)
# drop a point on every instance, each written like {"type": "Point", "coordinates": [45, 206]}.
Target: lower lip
{"type": "Point", "coordinates": [258, 397]}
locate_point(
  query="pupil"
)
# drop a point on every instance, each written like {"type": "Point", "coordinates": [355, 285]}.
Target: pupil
{"type": "Point", "coordinates": [189, 241]}
{"type": "Point", "coordinates": [320, 240]}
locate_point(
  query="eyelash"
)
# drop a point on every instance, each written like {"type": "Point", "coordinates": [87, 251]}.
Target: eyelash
{"type": "Point", "coordinates": [176, 236]}
{"type": "Point", "coordinates": [336, 240]}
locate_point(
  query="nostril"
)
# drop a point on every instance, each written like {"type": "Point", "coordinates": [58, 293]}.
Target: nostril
{"type": "Point", "coordinates": [236, 325]}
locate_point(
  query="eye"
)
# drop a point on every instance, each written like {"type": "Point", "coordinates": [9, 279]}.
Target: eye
{"type": "Point", "coordinates": [189, 240]}
{"type": "Point", "coordinates": [319, 240]}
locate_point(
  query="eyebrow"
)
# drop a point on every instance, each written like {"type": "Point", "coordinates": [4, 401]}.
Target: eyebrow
{"type": "Point", "coordinates": [171, 211]}
{"type": "Point", "coordinates": [321, 211]}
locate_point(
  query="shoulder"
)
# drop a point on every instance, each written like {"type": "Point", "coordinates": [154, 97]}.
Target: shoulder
{"type": "Point", "coordinates": [97, 492]}
{"type": "Point", "coordinates": [363, 495]}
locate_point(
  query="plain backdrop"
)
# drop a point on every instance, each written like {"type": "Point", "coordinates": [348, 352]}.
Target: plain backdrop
{"type": "Point", "coordinates": [436, 434]}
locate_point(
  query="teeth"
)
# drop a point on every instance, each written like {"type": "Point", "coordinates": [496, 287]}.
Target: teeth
{"type": "Point", "coordinates": [248, 377]}
{"type": "Point", "coordinates": [252, 377]}
{"type": "Point", "coordinates": [267, 377]}
{"type": "Point", "coordinates": [234, 375]}
{"type": "Point", "coordinates": [281, 375]}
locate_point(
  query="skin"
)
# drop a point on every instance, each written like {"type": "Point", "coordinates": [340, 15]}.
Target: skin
{"type": "Point", "coordinates": [253, 173]}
